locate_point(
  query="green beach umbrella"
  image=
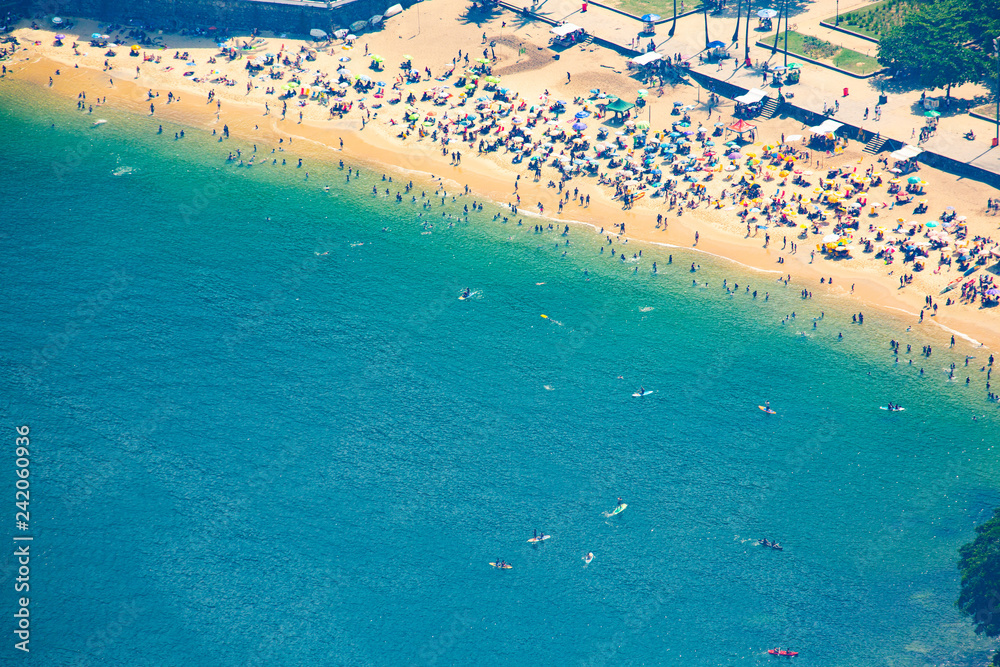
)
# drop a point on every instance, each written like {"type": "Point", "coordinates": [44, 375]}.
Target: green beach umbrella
{"type": "Point", "coordinates": [407, 57]}
{"type": "Point", "coordinates": [377, 59]}
{"type": "Point", "coordinates": [482, 61]}
{"type": "Point", "coordinates": [932, 113]}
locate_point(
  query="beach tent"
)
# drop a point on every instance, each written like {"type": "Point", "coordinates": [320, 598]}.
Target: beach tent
{"type": "Point", "coordinates": [825, 127]}
{"type": "Point", "coordinates": [565, 29]}
{"type": "Point", "coordinates": [392, 11]}
{"type": "Point", "coordinates": [741, 126]}
{"type": "Point", "coordinates": [619, 106]}
{"type": "Point", "coordinates": [752, 96]}
{"type": "Point", "coordinates": [906, 153]}
{"type": "Point", "coordinates": [646, 58]}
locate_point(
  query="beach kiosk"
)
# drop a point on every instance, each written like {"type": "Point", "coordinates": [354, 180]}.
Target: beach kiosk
{"type": "Point", "coordinates": [567, 34]}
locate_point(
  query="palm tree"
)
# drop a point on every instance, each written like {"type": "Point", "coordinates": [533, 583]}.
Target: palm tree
{"type": "Point", "coordinates": [736, 32]}
{"type": "Point", "coordinates": [674, 26]}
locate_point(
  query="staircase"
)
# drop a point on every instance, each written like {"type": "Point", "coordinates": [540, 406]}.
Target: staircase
{"type": "Point", "coordinates": [874, 145]}
{"type": "Point", "coordinates": [768, 111]}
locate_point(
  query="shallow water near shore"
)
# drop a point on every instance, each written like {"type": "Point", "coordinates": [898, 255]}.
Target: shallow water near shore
{"type": "Point", "coordinates": [266, 431]}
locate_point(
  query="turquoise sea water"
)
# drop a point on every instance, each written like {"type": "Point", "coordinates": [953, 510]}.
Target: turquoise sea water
{"type": "Point", "coordinates": [247, 451]}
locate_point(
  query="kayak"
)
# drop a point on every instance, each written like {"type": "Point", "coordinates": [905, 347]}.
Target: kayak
{"type": "Point", "coordinates": [775, 651]}
{"type": "Point", "coordinates": [617, 510]}
{"type": "Point", "coordinates": [539, 538]}
{"type": "Point", "coordinates": [885, 407]}
{"type": "Point", "coordinates": [645, 393]}
{"type": "Point", "coordinates": [767, 410]}
{"type": "Point", "coordinates": [505, 566]}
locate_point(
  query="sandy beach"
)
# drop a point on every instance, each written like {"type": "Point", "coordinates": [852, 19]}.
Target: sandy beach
{"type": "Point", "coordinates": [520, 57]}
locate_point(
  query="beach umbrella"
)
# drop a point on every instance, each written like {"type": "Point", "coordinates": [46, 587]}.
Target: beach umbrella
{"type": "Point", "coordinates": [913, 179]}
{"type": "Point", "coordinates": [482, 61]}
{"type": "Point", "coordinates": [105, 36]}
{"type": "Point", "coordinates": [96, 35]}
{"type": "Point", "coordinates": [767, 13]}
{"type": "Point", "coordinates": [516, 120]}
{"type": "Point", "coordinates": [60, 36]}
{"type": "Point", "coordinates": [678, 104]}
{"type": "Point", "coordinates": [378, 59]}
{"type": "Point", "coordinates": [56, 20]}
{"type": "Point", "coordinates": [643, 92]}
{"type": "Point", "coordinates": [650, 18]}
{"type": "Point", "coordinates": [716, 44]}
{"type": "Point", "coordinates": [642, 125]}
{"type": "Point", "coordinates": [579, 127]}
{"type": "Point", "coordinates": [582, 114]}
{"type": "Point", "coordinates": [931, 224]}
{"type": "Point", "coordinates": [932, 113]}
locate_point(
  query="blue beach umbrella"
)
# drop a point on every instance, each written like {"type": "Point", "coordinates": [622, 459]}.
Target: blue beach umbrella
{"type": "Point", "coordinates": [579, 127]}
{"type": "Point", "coordinates": [931, 224]}
{"type": "Point", "coordinates": [913, 179]}
{"type": "Point", "coordinates": [582, 114]}
{"type": "Point", "coordinates": [767, 13]}
{"type": "Point", "coordinates": [96, 35]}
{"type": "Point", "coordinates": [716, 44]}
{"type": "Point", "coordinates": [650, 18]}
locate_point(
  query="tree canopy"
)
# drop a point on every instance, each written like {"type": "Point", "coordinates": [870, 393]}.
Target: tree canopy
{"type": "Point", "coordinates": [979, 563]}
{"type": "Point", "coordinates": [937, 43]}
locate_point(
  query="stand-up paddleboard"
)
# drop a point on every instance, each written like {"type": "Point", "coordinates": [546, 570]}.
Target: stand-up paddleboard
{"type": "Point", "coordinates": [540, 538]}
{"type": "Point", "coordinates": [505, 566]}
{"type": "Point", "coordinates": [617, 510]}
{"type": "Point", "coordinates": [886, 407]}
{"type": "Point", "coordinates": [645, 393]}
{"type": "Point", "coordinates": [589, 557]}
{"type": "Point", "coordinates": [767, 410]}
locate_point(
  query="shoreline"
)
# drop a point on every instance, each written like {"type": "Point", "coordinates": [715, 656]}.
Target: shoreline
{"type": "Point", "coordinates": [487, 180]}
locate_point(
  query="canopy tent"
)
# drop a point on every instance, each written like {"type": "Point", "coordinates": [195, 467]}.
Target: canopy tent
{"type": "Point", "coordinates": [906, 153]}
{"type": "Point", "coordinates": [619, 106]}
{"type": "Point", "coordinates": [646, 58]}
{"type": "Point", "coordinates": [826, 126]}
{"type": "Point", "coordinates": [565, 29]}
{"type": "Point", "coordinates": [751, 96]}
{"type": "Point", "coordinates": [741, 126]}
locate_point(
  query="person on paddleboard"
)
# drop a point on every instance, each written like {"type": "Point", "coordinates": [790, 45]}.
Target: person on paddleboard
{"type": "Point", "coordinates": [642, 391]}
{"type": "Point", "coordinates": [620, 503]}
{"type": "Point", "coordinates": [466, 293]}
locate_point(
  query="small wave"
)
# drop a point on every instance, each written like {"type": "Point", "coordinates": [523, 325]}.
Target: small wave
{"type": "Point", "coordinates": [122, 171]}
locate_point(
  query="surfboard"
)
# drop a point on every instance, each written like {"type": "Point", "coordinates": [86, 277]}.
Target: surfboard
{"type": "Point", "coordinates": [539, 539]}
{"type": "Point", "coordinates": [617, 510]}
{"type": "Point", "coordinates": [505, 566]}
{"type": "Point", "coordinates": [646, 393]}
{"type": "Point", "coordinates": [885, 407]}
{"type": "Point", "coordinates": [767, 410]}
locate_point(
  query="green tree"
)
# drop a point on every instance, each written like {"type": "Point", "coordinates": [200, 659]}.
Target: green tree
{"type": "Point", "coordinates": [933, 44]}
{"type": "Point", "coordinates": [979, 563]}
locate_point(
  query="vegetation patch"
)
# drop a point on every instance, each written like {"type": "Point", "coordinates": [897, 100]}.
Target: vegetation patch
{"type": "Point", "coordinates": [819, 49]}
{"type": "Point", "coordinates": [877, 19]}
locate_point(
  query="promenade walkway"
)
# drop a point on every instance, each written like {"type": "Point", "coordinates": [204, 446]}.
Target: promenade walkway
{"type": "Point", "coordinates": [902, 115]}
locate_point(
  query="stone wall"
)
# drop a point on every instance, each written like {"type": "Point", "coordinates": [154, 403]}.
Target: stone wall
{"type": "Point", "coordinates": [293, 17]}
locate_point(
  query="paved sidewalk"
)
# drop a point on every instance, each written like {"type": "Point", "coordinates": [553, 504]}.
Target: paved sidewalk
{"type": "Point", "coordinates": [902, 116]}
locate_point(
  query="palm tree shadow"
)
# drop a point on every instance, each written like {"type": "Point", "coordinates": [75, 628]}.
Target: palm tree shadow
{"type": "Point", "coordinates": [479, 15]}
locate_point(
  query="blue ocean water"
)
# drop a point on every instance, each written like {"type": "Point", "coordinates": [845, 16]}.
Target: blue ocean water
{"type": "Point", "coordinates": [266, 431]}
